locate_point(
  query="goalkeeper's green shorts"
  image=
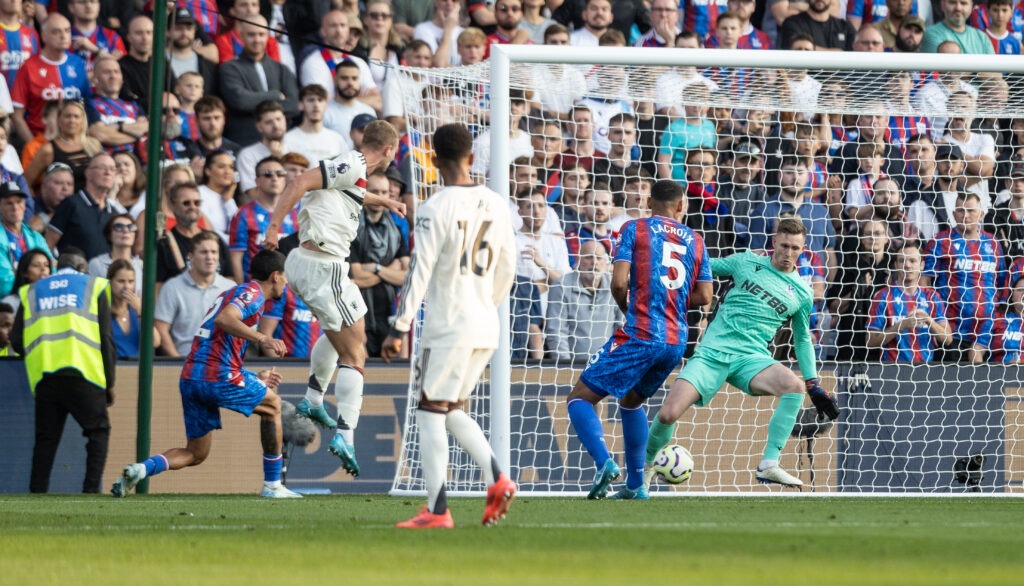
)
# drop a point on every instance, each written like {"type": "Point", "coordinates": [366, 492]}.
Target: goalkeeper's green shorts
{"type": "Point", "coordinates": [708, 369]}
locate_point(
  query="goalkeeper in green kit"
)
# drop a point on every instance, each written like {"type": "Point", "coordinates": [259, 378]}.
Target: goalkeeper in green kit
{"type": "Point", "coordinates": [767, 291]}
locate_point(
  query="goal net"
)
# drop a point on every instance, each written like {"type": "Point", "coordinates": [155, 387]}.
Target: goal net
{"type": "Point", "coordinates": [917, 315]}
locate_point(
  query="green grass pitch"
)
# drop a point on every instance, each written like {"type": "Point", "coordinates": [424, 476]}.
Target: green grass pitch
{"type": "Point", "coordinates": [204, 539]}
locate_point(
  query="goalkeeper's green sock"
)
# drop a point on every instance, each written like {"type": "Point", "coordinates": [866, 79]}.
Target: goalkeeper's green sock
{"type": "Point", "coordinates": [658, 437]}
{"type": "Point", "coordinates": [781, 424]}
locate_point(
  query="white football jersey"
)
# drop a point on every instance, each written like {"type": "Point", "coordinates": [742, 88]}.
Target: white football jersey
{"type": "Point", "coordinates": [329, 217]}
{"type": "Point", "coordinates": [464, 263]}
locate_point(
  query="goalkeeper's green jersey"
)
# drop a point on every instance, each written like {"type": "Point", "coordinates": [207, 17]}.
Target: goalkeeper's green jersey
{"type": "Point", "coordinates": [761, 300]}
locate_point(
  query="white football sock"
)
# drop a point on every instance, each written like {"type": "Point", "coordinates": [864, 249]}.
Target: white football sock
{"type": "Point", "coordinates": [348, 389]}
{"type": "Point", "coordinates": [472, 439]}
{"type": "Point", "coordinates": [434, 453]}
{"type": "Point", "coordinates": [323, 359]}
{"type": "Point", "coordinates": [766, 464]}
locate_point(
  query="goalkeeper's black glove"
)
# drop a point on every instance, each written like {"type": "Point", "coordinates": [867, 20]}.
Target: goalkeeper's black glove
{"type": "Point", "coordinates": [824, 401]}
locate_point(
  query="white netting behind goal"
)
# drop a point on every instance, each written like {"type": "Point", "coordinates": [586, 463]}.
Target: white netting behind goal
{"type": "Point", "coordinates": [870, 160]}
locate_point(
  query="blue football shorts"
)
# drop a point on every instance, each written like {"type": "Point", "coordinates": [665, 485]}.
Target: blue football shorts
{"type": "Point", "coordinates": [626, 364]}
{"type": "Point", "coordinates": [201, 401]}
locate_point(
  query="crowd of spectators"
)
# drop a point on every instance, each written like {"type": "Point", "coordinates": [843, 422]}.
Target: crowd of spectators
{"type": "Point", "coordinates": [914, 206]}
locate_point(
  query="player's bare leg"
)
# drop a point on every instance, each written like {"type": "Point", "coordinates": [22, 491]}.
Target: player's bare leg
{"type": "Point", "coordinates": [581, 404]}
{"type": "Point", "coordinates": [350, 343]}
{"type": "Point", "coordinates": [681, 396]}
{"type": "Point", "coordinates": [779, 381]}
{"type": "Point", "coordinates": [269, 411]}
{"type": "Point", "coordinates": [193, 454]}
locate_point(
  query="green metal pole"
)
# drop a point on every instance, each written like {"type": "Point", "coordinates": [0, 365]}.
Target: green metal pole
{"type": "Point", "coordinates": [158, 71]}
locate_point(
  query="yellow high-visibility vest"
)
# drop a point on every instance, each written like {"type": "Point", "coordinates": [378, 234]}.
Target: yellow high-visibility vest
{"type": "Point", "coordinates": [62, 330]}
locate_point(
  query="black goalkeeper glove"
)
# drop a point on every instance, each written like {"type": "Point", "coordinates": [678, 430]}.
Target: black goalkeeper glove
{"type": "Point", "coordinates": [824, 401]}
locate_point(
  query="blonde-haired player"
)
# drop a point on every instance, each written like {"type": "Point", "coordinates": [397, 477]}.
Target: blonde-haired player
{"type": "Point", "coordinates": [464, 263]}
{"type": "Point", "coordinates": [333, 194]}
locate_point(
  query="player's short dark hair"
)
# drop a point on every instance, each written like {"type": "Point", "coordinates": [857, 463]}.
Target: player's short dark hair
{"type": "Point", "coordinates": [266, 263]}
{"type": "Point", "coordinates": [266, 107]}
{"type": "Point", "coordinates": [666, 191]}
{"type": "Point", "coordinates": [452, 142]}
{"type": "Point", "coordinates": [992, 3]}
{"type": "Point", "coordinates": [6, 308]}
{"type": "Point", "coordinates": [313, 89]}
{"type": "Point", "coordinates": [791, 225]}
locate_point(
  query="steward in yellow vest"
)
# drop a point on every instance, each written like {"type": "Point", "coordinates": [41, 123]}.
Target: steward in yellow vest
{"type": "Point", "coordinates": [63, 331]}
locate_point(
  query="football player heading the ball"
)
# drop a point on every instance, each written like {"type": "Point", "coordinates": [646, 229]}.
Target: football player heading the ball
{"type": "Point", "coordinates": [333, 194]}
{"type": "Point", "coordinates": [661, 269]}
{"type": "Point", "coordinates": [767, 292]}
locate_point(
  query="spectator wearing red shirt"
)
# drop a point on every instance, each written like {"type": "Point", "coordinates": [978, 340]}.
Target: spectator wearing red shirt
{"type": "Point", "coordinates": [52, 75]}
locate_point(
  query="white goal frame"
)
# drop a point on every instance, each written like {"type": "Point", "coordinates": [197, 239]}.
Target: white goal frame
{"type": "Point", "coordinates": [502, 58]}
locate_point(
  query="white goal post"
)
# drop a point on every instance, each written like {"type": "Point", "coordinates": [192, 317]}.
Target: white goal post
{"type": "Point", "coordinates": [907, 428]}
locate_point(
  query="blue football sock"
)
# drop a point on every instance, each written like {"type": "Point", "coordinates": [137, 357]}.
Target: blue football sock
{"type": "Point", "coordinates": [272, 467]}
{"type": "Point", "coordinates": [781, 424]}
{"type": "Point", "coordinates": [588, 429]}
{"type": "Point", "coordinates": [634, 435]}
{"type": "Point", "coordinates": [155, 465]}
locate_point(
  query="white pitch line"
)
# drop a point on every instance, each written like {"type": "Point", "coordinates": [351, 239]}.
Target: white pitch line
{"type": "Point", "coordinates": [601, 525]}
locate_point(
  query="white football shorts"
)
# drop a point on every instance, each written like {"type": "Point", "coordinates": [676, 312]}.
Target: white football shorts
{"type": "Point", "coordinates": [450, 374]}
{"type": "Point", "coordinates": [321, 281]}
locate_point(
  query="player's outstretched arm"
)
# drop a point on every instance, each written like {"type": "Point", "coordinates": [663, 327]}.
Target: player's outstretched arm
{"type": "Point", "coordinates": [824, 401]}
{"type": "Point", "coordinates": [724, 267]}
{"type": "Point", "coordinates": [293, 192]}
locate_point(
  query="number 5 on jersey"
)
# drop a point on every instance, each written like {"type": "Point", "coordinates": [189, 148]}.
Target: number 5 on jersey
{"type": "Point", "coordinates": [672, 258]}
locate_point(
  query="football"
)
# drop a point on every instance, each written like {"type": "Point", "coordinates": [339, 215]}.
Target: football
{"type": "Point", "coordinates": [674, 464]}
